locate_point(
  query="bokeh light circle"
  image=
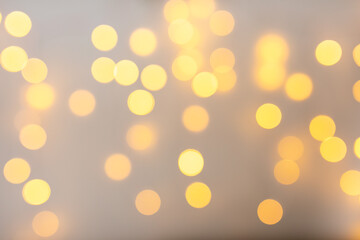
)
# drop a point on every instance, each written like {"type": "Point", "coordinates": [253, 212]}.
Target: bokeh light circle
{"type": "Point", "coordinates": [333, 149]}
{"type": "Point", "coordinates": [45, 224]}
{"type": "Point", "coordinates": [328, 52]}
{"type": "Point", "coordinates": [191, 162]}
{"type": "Point", "coordinates": [104, 37]}
{"type": "Point", "coordinates": [36, 192]}
{"type": "Point", "coordinates": [268, 116]}
{"type": "Point", "coordinates": [82, 102]}
{"type": "Point", "coordinates": [17, 170]}
{"type": "Point", "coordinates": [141, 102]}
{"type": "Point", "coordinates": [143, 42]}
{"type": "Point", "coordinates": [32, 136]}
{"type": "Point", "coordinates": [17, 24]}
{"type": "Point", "coordinates": [117, 167]}
{"type": "Point", "coordinates": [198, 195]}
{"type": "Point", "coordinates": [148, 202]}
{"type": "Point", "coordinates": [270, 211]}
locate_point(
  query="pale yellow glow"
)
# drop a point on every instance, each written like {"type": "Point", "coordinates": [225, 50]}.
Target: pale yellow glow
{"type": "Point", "coordinates": [141, 137]}
{"type": "Point", "coordinates": [272, 49]}
{"type": "Point", "coordinates": [25, 117]}
{"type": "Point", "coordinates": [35, 71]}
{"type": "Point", "coordinates": [222, 23]}
{"type": "Point", "coordinates": [104, 37]}
{"type": "Point", "coordinates": [176, 9]}
{"type": "Point", "coordinates": [268, 116]}
{"type": "Point", "coordinates": [270, 211]}
{"type": "Point", "coordinates": [226, 81]}
{"type": "Point", "coordinates": [45, 224]}
{"type": "Point", "coordinates": [0, 17]}
{"type": "Point", "coordinates": [222, 60]}
{"type": "Point", "coordinates": [141, 102]}
{"type": "Point", "coordinates": [198, 195]}
{"type": "Point", "coordinates": [148, 202]}
{"type": "Point", "coordinates": [13, 59]}
{"type": "Point", "coordinates": [82, 103]}
{"type": "Point", "coordinates": [40, 96]}
{"type": "Point", "coordinates": [17, 24]}
{"type": "Point", "coordinates": [333, 149]}
{"type": "Point", "coordinates": [36, 192]}
{"type": "Point", "coordinates": [270, 77]}
{"type": "Point", "coordinates": [286, 172]}
{"type": "Point", "coordinates": [17, 170]}
{"type": "Point", "coordinates": [143, 42]}
{"type": "Point", "coordinates": [299, 87]}
{"type": "Point", "coordinates": [357, 147]}
{"type": "Point", "coordinates": [291, 148]}
{"type": "Point", "coordinates": [102, 70]}
{"type": "Point", "coordinates": [126, 72]}
{"type": "Point", "coordinates": [117, 167]}
{"type": "Point", "coordinates": [191, 162]}
{"type": "Point", "coordinates": [322, 127]}
{"type": "Point", "coordinates": [195, 54]}
{"type": "Point", "coordinates": [32, 137]}
{"type": "Point", "coordinates": [356, 91]}
{"type": "Point", "coordinates": [356, 54]}
{"type": "Point", "coordinates": [195, 40]}
{"type": "Point", "coordinates": [153, 77]}
{"type": "Point", "coordinates": [328, 52]}
{"type": "Point", "coordinates": [181, 31]}
{"type": "Point", "coordinates": [201, 8]}
{"type": "Point", "coordinates": [350, 182]}
{"type": "Point", "coordinates": [195, 118]}
{"type": "Point", "coordinates": [204, 84]}
{"type": "Point", "coordinates": [184, 68]}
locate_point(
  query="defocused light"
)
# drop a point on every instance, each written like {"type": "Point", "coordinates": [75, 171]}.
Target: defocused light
{"type": "Point", "coordinates": [181, 31]}
{"type": "Point", "coordinates": [32, 137]}
{"type": "Point", "coordinates": [350, 182]}
{"type": "Point", "coordinates": [126, 72]}
{"type": "Point", "coordinates": [117, 167]}
{"type": "Point", "coordinates": [222, 23]}
{"type": "Point", "coordinates": [356, 91]}
{"type": "Point", "coordinates": [82, 102]}
{"type": "Point", "coordinates": [40, 96]}
{"type": "Point", "coordinates": [222, 60]}
{"type": "Point", "coordinates": [195, 118]}
{"type": "Point", "coordinates": [290, 148]}
{"type": "Point", "coordinates": [270, 211]}
{"type": "Point", "coordinates": [176, 9]}
{"type": "Point", "coordinates": [184, 67]}
{"type": "Point", "coordinates": [140, 137]}
{"type": "Point", "coordinates": [153, 77]}
{"type": "Point", "coordinates": [25, 117]}
{"type": "Point", "coordinates": [333, 149]}
{"type": "Point", "coordinates": [0, 17]}
{"type": "Point", "coordinates": [201, 8]}
{"type": "Point", "coordinates": [17, 24]}
{"type": "Point", "coordinates": [141, 102]}
{"type": "Point", "coordinates": [198, 195]}
{"type": "Point", "coordinates": [35, 71]}
{"type": "Point", "coordinates": [268, 116]}
{"type": "Point", "coordinates": [204, 84]}
{"type": "Point", "coordinates": [195, 40]}
{"type": "Point", "coordinates": [286, 172]}
{"type": "Point", "coordinates": [328, 52]}
{"type": "Point", "coordinates": [322, 127]}
{"type": "Point", "coordinates": [102, 69]}
{"type": "Point", "coordinates": [17, 170]}
{"type": "Point", "coordinates": [148, 202]}
{"type": "Point", "coordinates": [36, 192]}
{"type": "Point", "coordinates": [298, 87]}
{"type": "Point", "coordinates": [270, 77]}
{"type": "Point", "coordinates": [357, 147]}
{"type": "Point", "coordinates": [191, 162]}
{"type": "Point", "coordinates": [196, 54]}
{"type": "Point", "coordinates": [104, 37]}
{"type": "Point", "coordinates": [13, 59]}
{"type": "Point", "coordinates": [356, 54]}
{"type": "Point", "coordinates": [226, 81]}
{"type": "Point", "coordinates": [272, 49]}
{"type": "Point", "coordinates": [143, 42]}
{"type": "Point", "coordinates": [45, 224]}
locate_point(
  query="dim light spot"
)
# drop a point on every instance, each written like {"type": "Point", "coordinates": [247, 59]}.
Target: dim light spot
{"type": "Point", "coordinates": [222, 60]}
{"type": "Point", "coordinates": [226, 81]}
{"type": "Point", "coordinates": [195, 118]}
{"type": "Point", "coordinates": [141, 102]}
{"type": "Point", "coordinates": [204, 84]}
{"type": "Point", "coordinates": [104, 37]}
{"type": "Point", "coordinates": [153, 77]}
{"type": "Point", "coordinates": [45, 224]}
{"type": "Point", "coordinates": [268, 116]}
{"type": "Point", "coordinates": [181, 31]}
{"type": "Point", "coordinates": [0, 17]}
{"type": "Point", "coordinates": [17, 24]}
{"type": "Point", "coordinates": [25, 117]}
{"type": "Point", "coordinates": [222, 23]}
{"type": "Point", "coordinates": [102, 70]}
{"type": "Point", "coordinates": [143, 42]}
{"type": "Point", "coordinates": [140, 137]}
{"type": "Point", "coordinates": [36, 192]}
{"type": "Point", "coordinates": [357, 148]}
{"type": "Point", "coordinates": [184, 68]}
{"type": "Point", "coordinates": [40, 96]}
{"type": "Point", "coordinates": [191, 162]}
{"type": "Point", "coordinates": [195, 40]}
{"type": "Point", "coordinates": [272, 49]}
{"type": "Point", "coordinates": [270, 211]}
{"type": "Point", "coordinates": [32, 137]}
{"type": "Point", "coordinates": [328, 52]}
{"type": "Point", "coordinates": [35, 71]}
{"type": "Point", "coordinates": [126, 72]}
{"type": "Point", "coordinates": [82, 102]}
{"type": "Point", "coordinates": [291, 148]}
{"type": "Point", "coordinates": [195, 54]}
{"type": "Point", "coordinates": [13, 59]}
{"type": "Point", "coordinates": [201, 8]}
{"type": "Point", "coordinates": [148, 202]}
{"type": "Point", "coordinates": [198, 195]}
{"type": "Point", "coordinates": [333, 149]}
{"type": "Point", "coordinates": [17, 170]}
{"type": "Point", "coordinates": [356, 54]}
{"type": "Point", "coordinates": [350, 182]}
{"type": "Point", "coordinates": [176, 9]}
{"type": "Point", "coordinates": [356, 91]}
{"type": "Point", "coordinates": [117, 167]}
{"type": "Point", "coordinates": [286, 172]}
{"type": "Point", "coordinates": [322, 127]}
{"type": "Point", "coordinates": [298, 87]}
{"type": "Point", "coordinates": [270, 77]}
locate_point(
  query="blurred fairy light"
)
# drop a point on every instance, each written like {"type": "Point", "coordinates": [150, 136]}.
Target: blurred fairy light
{"type": "Point", "coordinates": [176, 9]}
{"type": "Point", "coordinates": [104, 37]}
{"type": "Point", "coordinates": [126, 72]}
{"type": "Point", "coordinates": [17, 170]}
{"type": "Point", "coordinates": [102, 69]}
{"type": "Point", "coordinates": [148, 202]}
{"type": "Point", "coordinates": [222, 60]}
{"type": "Point", "coordinates": [286, 172]}
{"type": "Point", "coordinates": [143, 42]}
{"type": "Point", "coordinates": [270, 211]}
{"type": "Point", "coordinates": [204, 84]}
{"type": "Point", "coordinates": [82, 102]}
{"type": "Point", "coordinates": [117, 167]}
{"type": "Point", "coordinates": [222, 23]}
{"type": "Point", "coordinates": [45, 224]}
{"type": "Point", "coordinates": [198, 195]}
{"type": "Point", "coordinates": [328, 52]}
{"type": "Point", "coordinates": [333, 149]}
{"type": "Point", "coordinates": [17, 24]}
{"type": "Point", "coordinates": [13, 59]}
{"type": "Point", "coordinates": [181, 31]}
{"type": "Point", "coordinates": [153, 77]}
{"type": "Point", "coordinates": [191, 162]}
{"type": "Point", "coordinates": [195, 118]}
{"type": "Point", "coordinates": [36, 192]}
{"type": "Point", "coordinates": [35, 71]}
{"type": "Point", "coordinates": [322, 127]}
{"type": "Point", "coordinates": [184, 67]}
{"type": "Point", "coordinates": [32, 137]}
{"type": "Point", "coordinates": [298, 87]}
{"type": "Point", "coordinates": [291, 148]}
{"type": "Point", "coordinates": [141, 102]}
{"type": "Point", "coordinates": [268, 116]}
{"type": "Point", "coordinates": [141, 137]}
{"type": "Point", "coordinates": [40, 96]}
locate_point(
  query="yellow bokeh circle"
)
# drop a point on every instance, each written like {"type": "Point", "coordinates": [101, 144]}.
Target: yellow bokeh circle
{"type": "Point", "coordinates": [333, 149]}
{"type": "Point", "coordinates": [195, 118]}
{"type": "Point", "coordinates": [102, 70]}
{"type": "Point", "coordinates": [356, 91]}
{"type": "Point", "coordinates": [126, 72]}
{"type": "Point", "coordinates": [222, 23]}
{"type": "Point", "coordinates": [350, 182]}
{"type": "Point", "coordinates": [17, 24]}
{"type": "Point", "coordinates": [226, 81]}
{"type": "Point", "coordinates": [270, 77]}
{"type": "Point", "coordinates": [104, 37]}
{"type": "Point", "coordinates": [17, 170]}
{"type": "Point", "coordinates": [270, 211]}
{"type": "Point", "coordinates": [184, 67]}
{"type": "Point", "coordinates": [201, 8]}
{"type": "Point", "coordinates": [148, 202]}
{"type": "Point", "coordinates": [181, 31]}
{"type": "Point", "coordinates": [13, 59]}
{"type": "Point", "coordinates": [141, 102]}
{"type": "Point", "coordinates": [32, 136]}
{"type": "Point", "coordinates": [322, 127]}
{"type": "Point", "coordinates": [298, 87]}
{"type": "Point", "coordinates": [153, 77]}
{"type": "Point", "coordinates": [357, 147]}
{"type": "Point", "coordinates": [141, 137]}
{"type": "Point", "coordinates": [272, 49]}
{"type": "Point", "coordinates": [328, 52]}
{"type": "Point", "coordinates": [198, 195]}
{"type": "Point", "coordinates": [191, 162]}
{"type": "Point", "coordinates": [35, 71]}
{"type": "Point", "coordinates": [143, 42]}
{"type": "Point", "coordinates": [268, 116]}
{"type": "Point", "coordinates": [36, 192]}
{"type": "Point", "coordinates": [290, 147]}
{"type": "Point", "coordinates": [40, 96]}
{"type": "Point", "coordinates": [117, 167]}
{"type": "Point", "coordinates": [45, 224]}
{"type": "Point", "coordinates": [82, 102]}
{"type": "Point", "coordinates": [176, 9]}
{"type": "Point", "coordinates": [222, 60]}
{"type": "Point", "coordinates": [356, 54]}
{"type": "Point", "coordinates": [204, 84]}
{"type": "Point", "coordinates": [286, 172]}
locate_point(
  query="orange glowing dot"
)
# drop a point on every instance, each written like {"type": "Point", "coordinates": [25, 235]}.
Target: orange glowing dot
{"type": "Point", "coordinates": [270, 211]}
{"type": "Point", "coordinates": [45, 224]}
{"type": "Point", "coordinates": [222, 23]}
{"type": "Point", "coordinates": [82, 103]}
{"type": "Point", "coordinates": [141, 137]}
{"type": "Point", "coordinates": [32, 137]}
{"type": "Point", "coordinates": [356, 91]}
{"type": "Point", "coordinates": [17, 170]}
{"type": "Point", "coordinates": [222, 60]}
{"type": "Point", "coordinates": [333, 149]}
{"type": "Point", "coordinates": [117, 167]}
{"type": "Point", "coordinates": [198, 195]}
{"type": "Point", "coordinates": [148, 202]}
{"type": "Point", "coordinates": [195, 118]}
{"type": "Point", "coordinates": [268, 116]}
{"type": "Point", "coordinates": [286, 172]}
{"type": "Point", "coordinates": [291, 148]}
{"type": "Point", "coordinates": [356, 54]}
{"type": "Point", "coordinates": [350, 182]}
{"type": "Point", "coordinates": [272, 49]}
{"type": "Point", "coordinates": [298, 87]}
{"type": "Point", "coordinates": [322, 127]}
{"type": "Point", "coordinates": [143, 42]}
{"type": "Point", "coordinates": [226, 81]}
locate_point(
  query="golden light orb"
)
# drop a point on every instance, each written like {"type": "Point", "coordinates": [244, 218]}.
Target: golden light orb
{"type": "Point", "coordinates": [184, 68]}
{"type": "Point", "coordinates": [357, 147]}
{"type": "Point", "coordinates": [35, 71]}
{"type": "Point", "coordinates": [350, 183]}
{"type": "Point", "coordinates": [104, 37]}
{"type": "Point", "coordinates": [290, 147]}
{"type": "Point", "coordinates": [222, 23]}
{"type": "Point", "coordinates": [270, 77]}
{"type": "Point", "coordinates": [17, 24]}
{"type": "Point", "coordinates": [141, 102]}
{"type": "Point", "coordinates": [198, 195]}
{"type": "Point", "coordinates": [333, 149]}
{"type": "Point", "coordinates": [102, 70]}
{"type": "Point", "coordinates": [17, 170]}
{"type": "Point", "coordinates": [272, 49]}
{"type": "Point", "coordinates": [270, 211]}
{"type": "Point", "coordinates": [126, 72]}
{"type": "Point", "coordinates": [141, 137]}
{"type": "Point", "coordinates": [268, 116]}
{"type": "Point", "coordinates": [322, 127]}
{"type": "Point", "coordinates": [328, 52]}
{"type": "Point", "coordinates": [117, 167]}
{"type": "Point", "coordinates": [148, 202]}
{"type": "Point", "coordinates": [13, 59]}
{"type": "Point", "coordinates": [191, 162]}
{"type": "Point", "coordinates": [226, 81]}
{"type": "Point", "coordinates": [36, 192]}
{"type": "Point", "coordinates": [356, 54]}
{"type": "Point", "coordinates": [181, 31]}
{"type": "Point", "coordinates": [143, 42]}
{"type": "Point", "coordinates": [356, 91]}
{"type": "Point", "coordinates": [222, 60]}
{"type": "Point", "coordinates": [201, 8]}
{"type": "Point", "coordinates": [32, 137]}
{"type": "Point", "coordinates": [298, 87]}
{"type": "Point", "coordinates": [40, 96]}
{"type": "Point", "coordinates": [195, 118]}
{"type": "Point", "coordinates": [82, 102]}
{"type": "Point", "coordinates": [176, 9]}
{"type": "Point", "coordinates": [286, 172]}
{"type": "Point", "coordinates": [153, 77]}
{"type": "Point", "coordinates": [45, 224]}
{"type": "Point", "coordinates": [204, 84]}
